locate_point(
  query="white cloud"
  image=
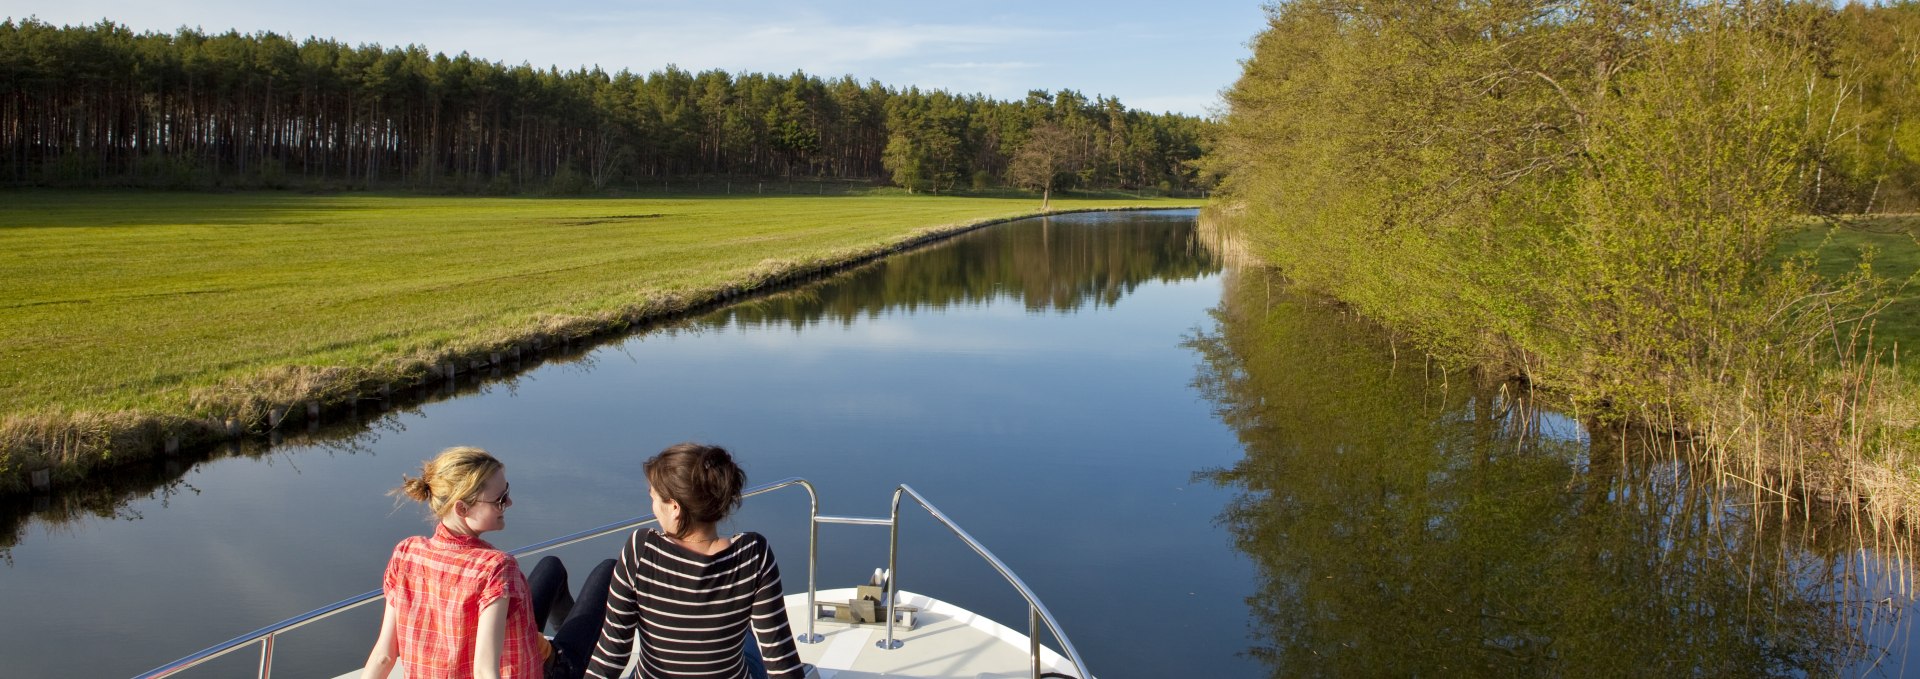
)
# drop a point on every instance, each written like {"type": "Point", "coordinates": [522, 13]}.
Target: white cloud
{"type": "Point", "coordinates": [979, 66]}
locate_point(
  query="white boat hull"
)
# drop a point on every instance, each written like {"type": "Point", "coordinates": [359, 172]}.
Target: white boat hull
{"type": "Point", "coordinates": [947, 641]}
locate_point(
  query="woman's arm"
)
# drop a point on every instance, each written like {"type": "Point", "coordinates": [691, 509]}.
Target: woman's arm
{"type": "Point", "coordinates": [380, 661]}
{"type": "Point", "coordinates": [620, 631]}
{"type": "Point", "coordinates": [493, 637]}
{"type": "Point", "coordinates": [769, 621]}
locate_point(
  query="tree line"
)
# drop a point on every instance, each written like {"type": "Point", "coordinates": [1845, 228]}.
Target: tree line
{"type": "Point", "coordinates": [103, 105]}
{"type": "Point", "coordinates": [1594, 194]}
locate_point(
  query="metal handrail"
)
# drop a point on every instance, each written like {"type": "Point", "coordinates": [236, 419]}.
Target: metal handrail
{"type": "Point", "coordinates": [1036, 612]}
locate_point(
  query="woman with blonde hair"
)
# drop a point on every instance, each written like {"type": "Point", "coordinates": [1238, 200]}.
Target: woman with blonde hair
{"type": "Point", "coordinates": [457, 606]}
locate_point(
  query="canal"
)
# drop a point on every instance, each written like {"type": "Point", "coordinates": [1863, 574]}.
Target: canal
{"type": "Point", "coordinates": [1200, 472]}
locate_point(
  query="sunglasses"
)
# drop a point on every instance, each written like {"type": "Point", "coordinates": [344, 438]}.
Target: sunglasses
{"type": "Point", "coordinates": [505, 499]}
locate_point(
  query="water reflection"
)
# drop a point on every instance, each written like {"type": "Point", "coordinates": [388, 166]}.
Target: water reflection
{"type": "Point", "coordinates": [1405, 521]}
{"type": "Point", "coordinates": [978, 383]}
{"type": "Point", "coordinates": [1068, 262]}
{"type": "Point", "coordinates": [113, 494]}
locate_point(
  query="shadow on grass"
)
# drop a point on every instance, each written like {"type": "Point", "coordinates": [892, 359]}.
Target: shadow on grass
{"type": "Point", "coordinates": [122, 207]}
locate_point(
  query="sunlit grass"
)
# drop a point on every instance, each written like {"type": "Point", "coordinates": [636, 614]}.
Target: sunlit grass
{"type": "Point", "coordinates": [1840, 245]}
{"type": "Point", "coordinates": [113, 300]}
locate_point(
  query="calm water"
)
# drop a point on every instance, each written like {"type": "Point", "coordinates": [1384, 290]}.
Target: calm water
{"type": "Point", "coordinates": [1200, 474]}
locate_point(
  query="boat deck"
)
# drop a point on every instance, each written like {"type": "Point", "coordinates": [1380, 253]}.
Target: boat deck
{"type": "Point", "coordinates": [946, 641]}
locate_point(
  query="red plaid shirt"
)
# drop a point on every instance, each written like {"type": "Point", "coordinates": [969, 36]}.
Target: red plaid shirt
{"type": "Point", "coordinates": [437, 586]}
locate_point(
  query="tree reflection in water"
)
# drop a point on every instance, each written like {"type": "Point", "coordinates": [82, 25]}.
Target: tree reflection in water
{"type": "Point", "coordinates": [1062, 264]}
{"type": "Point", "coordinates": [1408, 521]}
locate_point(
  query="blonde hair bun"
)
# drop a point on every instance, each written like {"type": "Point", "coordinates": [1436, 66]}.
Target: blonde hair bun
{"type": "Point", "coordinates": [455, 475]}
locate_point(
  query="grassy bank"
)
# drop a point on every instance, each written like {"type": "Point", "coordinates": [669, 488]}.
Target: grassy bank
{"type": "Point", "coordinates": [132, 318]}
{"type": "Point", "coordinates": [1891, 244]}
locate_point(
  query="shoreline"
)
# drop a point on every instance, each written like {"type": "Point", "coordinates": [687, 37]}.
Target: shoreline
{"type": "Point", "coordinates": [40, 450]}
{"type": "Point", "coordinates": [1778, 462]}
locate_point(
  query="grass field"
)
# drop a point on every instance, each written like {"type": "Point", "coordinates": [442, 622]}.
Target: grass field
{"type": "Point", "coordinates": [1839, 247]}
{"type": "Point", "coordinates": [115, 300]}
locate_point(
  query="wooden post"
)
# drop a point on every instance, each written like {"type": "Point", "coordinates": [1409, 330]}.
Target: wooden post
{"type": "Point", "coordinates": [42, 479]}
{"type": "Point", "coordinates": [233, 426]}
{"type": "Point", "coordinates": [173, 445]}
{"type": "Point", "coordinates": [275, 415]}
{"type": "Point", "coordinates": [313, 410]}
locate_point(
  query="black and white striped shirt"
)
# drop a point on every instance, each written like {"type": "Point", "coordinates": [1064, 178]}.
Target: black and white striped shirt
{"type": "Point", "coordinates": [692, 611]}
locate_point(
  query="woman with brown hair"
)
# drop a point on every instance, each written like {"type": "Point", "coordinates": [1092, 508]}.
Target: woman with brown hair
{"type": "Point", "coordinates": [690, 597]}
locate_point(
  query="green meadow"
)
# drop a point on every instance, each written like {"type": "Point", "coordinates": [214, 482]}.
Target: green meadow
{"type": "Point", "coordinates": [143, 301]}
{"type": "Point", "coordinates": [1891, 244]}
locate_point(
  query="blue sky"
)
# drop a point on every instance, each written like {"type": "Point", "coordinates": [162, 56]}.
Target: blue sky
{"type": "Point", "coordinates": [1159, 56]}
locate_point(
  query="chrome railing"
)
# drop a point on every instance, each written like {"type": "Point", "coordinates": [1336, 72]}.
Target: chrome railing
{"type": "Point", "coordinates": [1036, 612]}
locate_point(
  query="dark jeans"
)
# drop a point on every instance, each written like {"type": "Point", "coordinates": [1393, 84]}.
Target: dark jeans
{"type": "Point", "coordinates": [756, 665]}
{"type": "Point", "coordinates": [579, 628]}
